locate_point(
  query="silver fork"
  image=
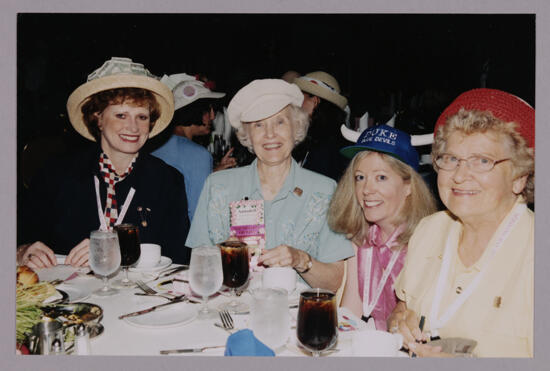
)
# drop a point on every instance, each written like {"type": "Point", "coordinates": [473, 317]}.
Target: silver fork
{"type": "Point", "coordinates": [150, 291]}
{"type": "Point", "coordinates": [227, 320]}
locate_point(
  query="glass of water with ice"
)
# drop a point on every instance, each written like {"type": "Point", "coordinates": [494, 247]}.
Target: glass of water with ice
{"type": "Point", "coordinates": [205, 275]}
{"type": "Point", "coordinates": [104, 258]}
{"type": "Point", "coordinates": [270, 316]}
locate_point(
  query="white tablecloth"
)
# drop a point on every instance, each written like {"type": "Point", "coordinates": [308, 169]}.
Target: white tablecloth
{"type": "Point", "coordinates": [122, 338]}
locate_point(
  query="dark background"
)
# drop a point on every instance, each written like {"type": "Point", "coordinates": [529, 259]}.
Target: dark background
{"type": "Point", "coordinates": [410, 64]}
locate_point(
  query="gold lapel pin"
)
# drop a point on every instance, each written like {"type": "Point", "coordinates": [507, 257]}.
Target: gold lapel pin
{"type": "Point", "coordinates": [497, 301]}
{"type": "Point", "coordinates": [298, 191]}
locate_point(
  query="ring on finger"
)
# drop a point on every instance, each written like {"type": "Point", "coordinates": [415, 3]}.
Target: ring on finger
{"type": "Point", "coordinates": [394, 329]}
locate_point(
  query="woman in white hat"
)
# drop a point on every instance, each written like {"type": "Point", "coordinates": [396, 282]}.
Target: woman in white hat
{"type": "Point", "coordinates": [269, 121]}
{"type": "Point", "coordinates": [111, 182]}
{"type": "Point", "coordinates": [326, 107]}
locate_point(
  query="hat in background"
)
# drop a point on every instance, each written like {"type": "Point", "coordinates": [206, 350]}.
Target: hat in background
{"type": "Point", "coordinates": [187, 89]}
{"type": "Point", "coordinates": [261, 99]}
{"type": "Point", "coordinates": [323, 85]}
{"type": "Point", "coordinates": [502, 105]}
{"type": "Point", "coordinates": [120, 73]}
{"type": "Point", "coordinates": [388, 140]}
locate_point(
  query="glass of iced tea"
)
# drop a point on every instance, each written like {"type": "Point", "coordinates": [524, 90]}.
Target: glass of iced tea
{"type": "Point", "coordinates": [130, 250]}
{"type": "Point", "coordinates": [316, 327]}
{"type": "Point", "coordinates": [235, 266]}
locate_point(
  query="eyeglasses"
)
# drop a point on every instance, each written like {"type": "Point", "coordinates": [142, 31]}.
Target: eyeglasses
{"type": "Point", "coordinates": [478, 164]}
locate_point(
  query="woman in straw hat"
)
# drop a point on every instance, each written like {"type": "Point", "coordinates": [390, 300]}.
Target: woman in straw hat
{"type": "Point", "coordinates": [378, 202]}
{"type": "Point", "coordinates": [469, 270]}
{"type": "Point", "coordinates": [119, 107]}
{"type": "Point", "coordinates": [269, 121]}
{"type": "Point", "coordinates": [326, 107]}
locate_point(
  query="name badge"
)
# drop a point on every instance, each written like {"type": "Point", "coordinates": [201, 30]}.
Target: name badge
{"type": "Point", "coordinates": [247, 224]}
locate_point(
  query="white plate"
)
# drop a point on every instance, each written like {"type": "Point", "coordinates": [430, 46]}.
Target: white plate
{"type": "Point", "coordinates": [76, 293]}
{"type": "Point", "coordinates": [164, 263]}
{"type": "Point", "coordinates": [60, 271]}
{"type": "Point", "coordinates": [171, 316]}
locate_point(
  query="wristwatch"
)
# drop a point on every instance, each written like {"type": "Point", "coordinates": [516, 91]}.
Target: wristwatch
{"type": "Point", "coordinates": [309, 264]}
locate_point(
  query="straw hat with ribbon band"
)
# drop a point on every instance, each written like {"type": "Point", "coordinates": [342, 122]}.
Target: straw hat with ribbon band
{"type": "Point", "coordinates": [261, 99]}
{"type": "Point", "coordinates": [323, 85]}
{"type": "Point", "coordinates": [187, 89]}
{"type": "Point", "coordinates": [502, 105]}
{"type": "Point", "coordinates": [384, 139]}
{"type": "Point", "coordinates": [120, 73]}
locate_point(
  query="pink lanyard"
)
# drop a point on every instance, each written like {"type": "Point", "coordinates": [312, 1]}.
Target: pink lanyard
{"type": "Point", "coordinates": [368, 306]}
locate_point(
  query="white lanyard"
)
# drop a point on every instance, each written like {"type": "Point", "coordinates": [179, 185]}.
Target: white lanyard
{"type": "Point", "coordinates": [368, 307]}
{"type": "Point", "coordinates": [435, 322]}
{"type": "Point", "coordinates": [103, 224]}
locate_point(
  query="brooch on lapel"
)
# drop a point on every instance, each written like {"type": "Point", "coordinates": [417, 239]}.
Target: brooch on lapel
{"type": "Point", "coordinates": [298, 191]}
{"type": "Point", "coordinates": [143, 211]}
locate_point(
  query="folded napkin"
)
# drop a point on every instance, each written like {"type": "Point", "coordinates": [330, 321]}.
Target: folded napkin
{"type": "Point", "coordinates": [244, 343]}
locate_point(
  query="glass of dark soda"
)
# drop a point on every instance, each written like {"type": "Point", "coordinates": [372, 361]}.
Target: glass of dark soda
{"type": "Point", "coordinates": [130, 250]}
{"type": "Point", "coordinates": [316, 327]}
{"type": "Point", "coordinates": [235, 265]}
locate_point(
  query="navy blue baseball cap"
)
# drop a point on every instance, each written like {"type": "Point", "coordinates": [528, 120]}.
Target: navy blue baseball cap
{"type": "Point", "coordinates": [388, 140]}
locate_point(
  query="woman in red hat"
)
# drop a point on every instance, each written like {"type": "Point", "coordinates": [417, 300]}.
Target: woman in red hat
{"type": "Point", "coordinates": [469, 270]}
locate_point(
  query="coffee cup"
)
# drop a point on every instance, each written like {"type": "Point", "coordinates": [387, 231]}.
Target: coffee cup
{"type": "Point", "coordinates": [149, 256]}
{"type": "Point", "coordinates": [279, 277]}
{"type": "Point", "coordinates": [369, 343]}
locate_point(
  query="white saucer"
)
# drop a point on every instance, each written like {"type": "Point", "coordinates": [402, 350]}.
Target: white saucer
{"type": "Point", "coordinates": [171, 316]}
{"type": "Point", "coordinates": [164, 263]}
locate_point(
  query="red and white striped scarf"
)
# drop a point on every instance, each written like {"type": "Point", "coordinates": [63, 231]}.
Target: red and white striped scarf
{"type": "Point", "coordinates": [110, 177]}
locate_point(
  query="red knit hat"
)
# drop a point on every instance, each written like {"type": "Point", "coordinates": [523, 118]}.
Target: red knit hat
{"type": "Point", "coordinates": [502, 105]}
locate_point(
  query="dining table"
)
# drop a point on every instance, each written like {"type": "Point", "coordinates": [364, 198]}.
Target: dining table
{"type": "Point", "coordinates": [176, 326]}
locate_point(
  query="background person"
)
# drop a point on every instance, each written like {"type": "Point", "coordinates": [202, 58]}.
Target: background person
{"type": "Point", "coordinates": [469, 270]}
{"type": "Point", "coordinates": [194, 104]}
{"type": "Point", "coordinates": [326, 106]}
{"type": "Point", "coordinates": [119, 108]}
{"type": "Point", "coordinates": [378, 202]}
{"type": "Point", "coordinates": [269, 122]}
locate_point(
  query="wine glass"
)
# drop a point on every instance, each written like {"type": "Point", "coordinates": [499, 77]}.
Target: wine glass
{"type": "Point", "coordinates": [316, 327]}
{"type": "Point", "coordinates": [205, 274]}
{"type": "Point", "coordinates": [235, 273]}
{"type": "Point", "coordinates": [130, 250]}
{"type": "Point", "coordinates": [104, 258]}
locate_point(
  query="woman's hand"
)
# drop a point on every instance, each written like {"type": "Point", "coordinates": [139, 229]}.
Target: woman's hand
{"type": "Point", "coordinates": [282, 256]}
{"type": "Point", "coordinates": [78, 256]}
{"type": "Point", "coordinates": [406, 322]}
{"type": "Point", "coordinates": [426, 350]}
{"type": "Point", "coordinates": [36, 255]}
{"type": "Point", "coordinates": [227, 161]}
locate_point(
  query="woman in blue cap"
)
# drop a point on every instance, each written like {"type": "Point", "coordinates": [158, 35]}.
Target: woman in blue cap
{"type": "Point", "coordinates": [377, 204]}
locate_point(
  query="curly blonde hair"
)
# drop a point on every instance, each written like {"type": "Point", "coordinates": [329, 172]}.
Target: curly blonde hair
{"type": "Point", "coordinates": [469, 122]}
{"type": "Point", "coordinates": [345, 214]}
{"type": "Point", "coordinates": [297, 116]}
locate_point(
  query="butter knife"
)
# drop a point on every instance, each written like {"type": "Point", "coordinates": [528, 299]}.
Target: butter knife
{"type": "Point", "coordinates": [190, 350]}
{"type": "Point", "coordinates": [177, 299]}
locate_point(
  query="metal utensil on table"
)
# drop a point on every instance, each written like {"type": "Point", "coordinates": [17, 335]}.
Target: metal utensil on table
{"type": "Point", "coordinates": [190, 350]}
{"type": "Point", "coordinates": [177, 299]}
{"type": "Point", "coordinates": [170, 271]}
{"type": "Point", "coordinates": [227, 320]}
{"type": "Point", "coordinates": [150, 291]}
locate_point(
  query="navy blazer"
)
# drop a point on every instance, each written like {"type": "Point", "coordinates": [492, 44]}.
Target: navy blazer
{"type": "Point", "coordinates": [61, 208]}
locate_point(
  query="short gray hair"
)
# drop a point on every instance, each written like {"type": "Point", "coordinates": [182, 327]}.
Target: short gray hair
{"type": "Point", "coordinates": [298, 117]}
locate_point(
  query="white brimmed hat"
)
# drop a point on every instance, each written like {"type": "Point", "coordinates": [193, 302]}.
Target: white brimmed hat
{"type": "Point", "coordinates": [323, 85]}
{"type": "Point", "coordinates": [187, 89]}
{"type": "Point", "coordinates": [261, 99]}
{"type": "Point", "coordinates": [120, 73]}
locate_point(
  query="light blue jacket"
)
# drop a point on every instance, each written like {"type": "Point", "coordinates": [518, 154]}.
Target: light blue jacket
{"type": "Point", "coordinates": [291, 218]}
